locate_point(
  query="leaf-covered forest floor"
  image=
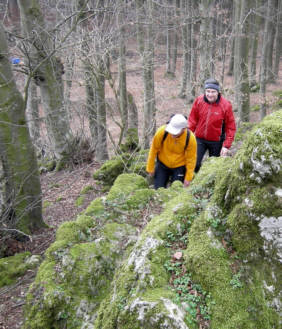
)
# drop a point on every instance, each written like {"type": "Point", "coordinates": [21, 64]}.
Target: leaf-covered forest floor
{"type": "Point", "coordinates": [61, 190]}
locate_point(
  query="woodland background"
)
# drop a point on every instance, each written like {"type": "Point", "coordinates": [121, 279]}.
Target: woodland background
{"type": "Point", "coordinates": [94, 76]}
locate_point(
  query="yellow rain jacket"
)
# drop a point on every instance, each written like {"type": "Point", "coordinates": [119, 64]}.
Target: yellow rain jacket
{"type": "Point", "coordinates": [171, 152]}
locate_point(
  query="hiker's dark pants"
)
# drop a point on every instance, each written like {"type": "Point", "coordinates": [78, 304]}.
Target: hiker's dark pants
{"type": "Point", "coordinates": [203, 145]}
{"type": "Point", "coordinates": [163, 174]}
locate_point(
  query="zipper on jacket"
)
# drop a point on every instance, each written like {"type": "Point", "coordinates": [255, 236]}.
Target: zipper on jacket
{"type": "Point", "coordinates": [207, 121]}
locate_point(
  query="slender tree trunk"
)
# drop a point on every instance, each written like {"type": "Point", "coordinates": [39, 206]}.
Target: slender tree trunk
{"type": "Point", "coordinates": [32, 115]}
{"type": "Point", "coordinates": [171, 37]}
{"type": "Point", "coordinates": [91, 105]}
{"type": "Point", "coordinates": [194, 28]}
{"type": "Point", "coordinates": [101, 153]}
{"type": "Point", "coordinates": [175, 39]}
{"type": "Point", "coordinates": [244, 90]}
{"type": "Point", "coordinates": [278, 41]}
{"type": "Point", "coordinates": [47, 70]}
{"type": "Point", "coordinates": [237, 77]}
{"type": "Point", "coordinates": [22, 193]}
{"type": "Point", "coordinates": [146, 49]}
{"type": "Point", "coordinates": [132, 113]}
{"type": "Point", "coordinates": [271, 34]}
{"type": "Point", "coordinates": [254, 32]}
{"type": "Point", "coordinates": [263, 64]}
{"type": "Point", "coordinates": [232, 42]}
{"type": "Point", "coordinates": [205, 41]}
{"type": "Point", "coordinates": [186, 46]}
{"type": "Point", "coordinates": [122, 72]}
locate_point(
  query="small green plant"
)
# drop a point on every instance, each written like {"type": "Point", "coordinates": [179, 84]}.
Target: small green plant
{"type": "Point", "coordinates": [46, 204]}
{"type": "Point", "coordinates": [187, 293]}
{"type": "Point", "coordinates": [255, 108]}
{"type": "Point", "coordinates": [236, 282]}
{"type": "Point", "coordinates": [79, 201]}
{"type": "Point", "coordinates": [214, 222]}
{"type": "Point", "coordinates": [87, 189]}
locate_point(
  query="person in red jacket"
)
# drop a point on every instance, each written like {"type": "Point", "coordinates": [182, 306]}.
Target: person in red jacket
{"type": "Point", "coordinates": [212, 121]}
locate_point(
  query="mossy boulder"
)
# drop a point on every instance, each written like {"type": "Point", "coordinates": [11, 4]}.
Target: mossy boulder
{"type": "Point", "coordinates": [13, 267]}
{"type": "Point", "coordinates": [123, 163]}
{"type": "Point", "coordinates": [176, 258]}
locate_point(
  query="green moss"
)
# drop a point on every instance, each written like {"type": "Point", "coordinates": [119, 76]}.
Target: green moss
{"type": "Point", "coordinates": [87, 189]}
{"type": "Point", "coordinates": [71, 231]}
{"type": "Point", "coordinates": [131, 143]}
{"type": "Point", "coordinates": [255, 108]}
{"type": "Point", "coordinates": [100, 273]}
{"type": "Point", "coordinates": [80, 200]}
{"type": "Point", "coordinates": [95, 208]}
{"type": "Point", "coordinates": [277, 93]}
{"type": "Point", "coordinates": [140, 198]}
{"type": "Point", "coordinates": [110, 171]}
{"type": "Point", "coordinates": [13, 267]}
{"type": "Point", "coordinates": [125, 184]}
{"type": "Point", "coordinates": [243, 131]}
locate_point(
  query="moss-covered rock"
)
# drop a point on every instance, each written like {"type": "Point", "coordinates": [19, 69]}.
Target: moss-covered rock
{"type": "Point", "coordinates": [212, 253]}
{"type": "Point", "coordinates": [123, 163]}
{"type": "Point", "coordinates": [13, 267]}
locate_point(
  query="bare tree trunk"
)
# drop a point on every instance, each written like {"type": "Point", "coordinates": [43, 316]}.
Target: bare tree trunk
{"type": "Point", "coordinates": [244, 90]}
{"type": "Point", "coordinates": [101, 153]}
{"type": "Point", "coordinates": [194, 27]}
{"type": "Point", "coordinates": [175, 38]}
{"type": "Point", "coordinates": [271, 34]}
{"type": "Point", "coordinates": [171, 37]}
{"type": "Point", "coordinates": [47, 70]}
{"type": "Point", "coordinates": [232, 42]}
{"type": "Point", "coordinates": [254, 33]}
{"type": "Point", "coordinates": [91, 105]}
{"type": "Point", "coordinates": [263, 64]}
{"type": "Point", "coordinates": [186, 46]}
{"type": "Point", "coordinates": [132, 113]}
{"type": "Point", "coordinates": [22, 192]}
{"type": "Point", "coordinates": [236, 71]}
{"type": "Point", "coordinates": [278, 41]}
{"type": "Point", "coordinates": [146, 48]}
{"type": "Point", "coordinates": [32, 115]}
{"type": "Point", "coordinates": [205, 41]}
{"type": "Point", "coordinates": [122, 72]}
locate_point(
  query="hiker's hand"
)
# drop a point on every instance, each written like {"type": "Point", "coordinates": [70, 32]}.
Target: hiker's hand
{"type": "Point", "coordinates": [186, 183]}
{"type": "Point", "coordinates": [224, 152]}
{"type": "Point", "coordinates": [151, 174]}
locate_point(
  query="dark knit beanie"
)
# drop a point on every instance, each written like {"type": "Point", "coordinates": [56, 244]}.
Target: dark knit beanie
{"type": "Point", "coordinates": [212, 84]}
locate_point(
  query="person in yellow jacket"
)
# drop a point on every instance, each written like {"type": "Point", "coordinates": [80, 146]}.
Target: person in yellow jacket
{"type": "Point", "coordinates": [169, 156]}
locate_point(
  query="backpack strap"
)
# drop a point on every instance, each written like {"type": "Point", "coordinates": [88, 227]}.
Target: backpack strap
{"type": "Point", "coordinates": [186, 142]}
{"type": "Point", "coordinates": [187, 139]}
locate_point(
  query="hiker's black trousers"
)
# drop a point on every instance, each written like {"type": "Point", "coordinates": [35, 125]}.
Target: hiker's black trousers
{"type": "Point", "coordinates": [163, 174]}
{"type": "Point", "coordinates": [203, 145]}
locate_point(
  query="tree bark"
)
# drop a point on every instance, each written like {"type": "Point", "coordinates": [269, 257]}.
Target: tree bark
{"type": "Point", "coordinates": [254, 33]}
{"type": "Point", "coordinates": [32, 115]}
{"type": "Point", "coordinates": [271, 34]}
{"type": "Point", "coordinates": [22, 191]}
{"type": "Point", "coordinates": [205, 41]}
{"type": "Point", "coordinates": [146, 49]}
{"type": "Point", "coordinates": [264, 57]}
{"type": "Point", "coordinates": [47, 71]}
{"type": "Point", "coordinates": [122, 72]}
{"type": "Point", "coordinates": [186, 46]}
{"type": "Point", "coordinates": [243, 82]}
{"type": "Point", "coordinates": [278, 41]}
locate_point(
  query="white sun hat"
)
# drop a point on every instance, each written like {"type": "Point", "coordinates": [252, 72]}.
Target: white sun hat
{"type": "Point", "coordinates": [176, 124]}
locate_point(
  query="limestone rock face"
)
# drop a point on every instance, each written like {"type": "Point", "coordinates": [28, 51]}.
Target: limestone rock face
{"type": "Point", "coordinates": [208, 256]}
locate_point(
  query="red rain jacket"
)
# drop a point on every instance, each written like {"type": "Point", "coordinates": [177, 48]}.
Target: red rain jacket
{"type": "Point", "coordinates": [206, 120]}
